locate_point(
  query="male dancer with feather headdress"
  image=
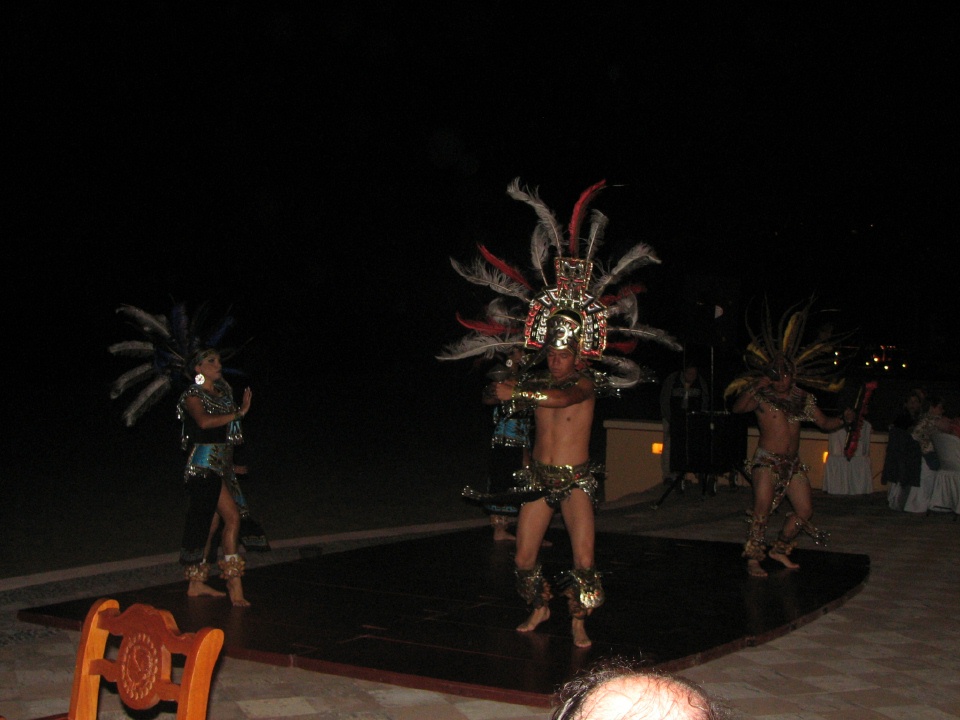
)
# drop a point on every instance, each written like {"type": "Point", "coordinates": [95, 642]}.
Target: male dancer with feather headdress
{"type": "Point", "coordinates": [567, 324]}
{"type": "Point", "coordinates": [776, 363]}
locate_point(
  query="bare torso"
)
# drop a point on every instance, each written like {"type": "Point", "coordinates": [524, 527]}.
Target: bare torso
{"type": "Point", "coordinates": [563, 414]}
{"type": "Point", "coordinates": [778, 434]}
{"type": "Point", "coordinates": [779, 412]}
{"type": "Point", "coordinates": [563, 434]}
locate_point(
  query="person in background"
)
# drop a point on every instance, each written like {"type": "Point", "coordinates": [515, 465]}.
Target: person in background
{"type": "Point", "coordinates": [932, 419]}
{"type": "Point", "coordinates": [910, 412]}
{"type": "Point", "coordinates": [912, 458]}
{"type": "Point", "coordinates": [903, 462]}
{"type": "Point", "coordinates": [683, 391]}
{"type": "Point", "coordinates": [920, 392]}
{"type": "Point", "coordinates": [509, 449]}
{"type": "Point", "coordinates": [952, 425]}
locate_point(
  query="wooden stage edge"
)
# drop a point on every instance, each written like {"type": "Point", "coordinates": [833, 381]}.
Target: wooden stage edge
{"type": "Point", "coordinates": [374, 614]}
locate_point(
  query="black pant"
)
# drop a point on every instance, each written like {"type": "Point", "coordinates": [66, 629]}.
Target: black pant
{"type": "Point", "coordinates": [204, 492]}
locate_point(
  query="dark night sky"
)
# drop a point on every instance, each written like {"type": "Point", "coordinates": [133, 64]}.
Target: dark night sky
{"type": "Point", "coordinates": [315, 168]}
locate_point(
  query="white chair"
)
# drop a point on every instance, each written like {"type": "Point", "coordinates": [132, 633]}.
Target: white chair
{"type": "Point", "coordinates": [848, 477]}
{"type": "Point", "coordinates": [918, 498]}
{"type": "Point", "coordinates": [945, 494]}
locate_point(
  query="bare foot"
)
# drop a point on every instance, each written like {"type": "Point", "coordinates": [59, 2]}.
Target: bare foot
{"type": "Point", "coordinates": [236, 593]}
{"type": "Point", "coordinates": [199, 589]}
{"type": "Point", "coordinates": [538, 616]}
{"type": "Point", "coordinates": [784, 560]}
{"type": "Point", "coordinates": [501, 535]}
{"type": "Point", "coordinates": [755, 570]}
{"type": "Point", "coordinates": [580, 638]}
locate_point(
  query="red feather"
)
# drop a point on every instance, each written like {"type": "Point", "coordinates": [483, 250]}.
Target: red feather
{"type": "Point", "coordinates": [853, 437]}
{"type": "Point", "coordinates": [484, 327]}
{"type": "Point", "coordinates": [509, 270]}
{"type": "Point", "coordinates": [578, 212]}
{"type": "Point", "coordinates": [623, 346]}
{"type": "Point", "coordinates": [609, 300]}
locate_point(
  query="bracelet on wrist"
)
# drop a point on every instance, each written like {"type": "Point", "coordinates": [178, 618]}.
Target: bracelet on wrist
{"type": "Point", "coordinates": [528, 395]}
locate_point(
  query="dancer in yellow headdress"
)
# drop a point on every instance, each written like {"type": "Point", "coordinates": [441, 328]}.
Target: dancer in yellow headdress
{"type": "Point", "coordinates": [776, 363]}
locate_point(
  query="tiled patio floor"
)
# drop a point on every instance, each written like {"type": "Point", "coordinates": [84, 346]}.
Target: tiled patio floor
{"type": "Point", "coordinates": [892, 651]}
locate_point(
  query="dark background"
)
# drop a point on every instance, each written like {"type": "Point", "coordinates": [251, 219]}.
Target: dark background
{"type": "Point", "coordinates": [311, 167]}
{"type": "Point", "coordinates": [315, 168]}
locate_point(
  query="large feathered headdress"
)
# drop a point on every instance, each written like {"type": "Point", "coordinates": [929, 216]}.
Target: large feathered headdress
{"type": "Point", "coordinates": [585, 305]}
{"type": "Point", "coordinates": [778, 348]}
{"type": "Point", "coordinates": [167, 345]}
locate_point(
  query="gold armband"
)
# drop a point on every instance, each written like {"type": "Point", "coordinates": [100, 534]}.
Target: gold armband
{"type": "Point", "coordinates": [528, 395]}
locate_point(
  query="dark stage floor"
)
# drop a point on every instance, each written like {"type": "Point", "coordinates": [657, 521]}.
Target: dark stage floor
{"type": "Point", "coordinates": [440, 612]}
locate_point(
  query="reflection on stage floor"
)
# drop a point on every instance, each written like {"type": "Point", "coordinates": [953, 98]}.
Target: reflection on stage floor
{"type": "Point", "coordinates": [440, 612]}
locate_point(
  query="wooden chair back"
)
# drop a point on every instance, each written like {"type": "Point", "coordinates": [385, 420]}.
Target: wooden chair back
{"type": "Point", "coordinates": [142, 667]}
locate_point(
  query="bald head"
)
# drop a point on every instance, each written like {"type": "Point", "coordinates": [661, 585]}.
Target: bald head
{"type": "Point", "coordinates": [618, 693]}
{"type": "Point", "coordinates": [640, 697]}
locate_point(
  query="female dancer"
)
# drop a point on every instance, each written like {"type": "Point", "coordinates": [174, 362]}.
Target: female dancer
{"type": "Point", "coordinates": [211, 428]}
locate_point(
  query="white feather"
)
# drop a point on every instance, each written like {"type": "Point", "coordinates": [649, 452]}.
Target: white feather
{"type": "Point", "coordinates": [598, 225]}
{"type": "Point", "coordinates": [499, 311]}
{"type": "Point", "coordinates": [626, 306]}
{"type": "Point", "coordinates": [638, 256]}
{"type": "Point", "coordinates": [540, 250]}
{"type": "Point", "coordinates": [646, 332]}
{"type": "Point", "coordinates": [548, 220]}
{"type": "Point", "coordinates": [477, 344]}
{"type": "Point", "coordinates": [133, 348]}
{"type": "Point", "coordinates": [150, 324]}
{"type": "Point", "coordinates": [629, 373]}
{"type": "Point", "coordinates": [625, 373]}
{"type": "Point", "coordinates": [129, 379]}
{"type": "Point", "coordinates": [482, 274]}
{"type": "Point", "coordinates": [146, 399]}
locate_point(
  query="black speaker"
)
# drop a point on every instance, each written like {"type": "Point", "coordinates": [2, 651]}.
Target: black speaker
{"type": "Point", "coordinates": [708, 442]}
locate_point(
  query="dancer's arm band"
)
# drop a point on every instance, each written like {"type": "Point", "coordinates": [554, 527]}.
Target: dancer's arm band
{"type": "Point", "coordinates": [528, 395]}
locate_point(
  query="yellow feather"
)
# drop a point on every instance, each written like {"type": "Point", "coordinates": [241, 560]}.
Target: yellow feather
{"type": "Point", "coordinates": [737, 386]}
{"type": "Point", "coordinates": [790, 332]}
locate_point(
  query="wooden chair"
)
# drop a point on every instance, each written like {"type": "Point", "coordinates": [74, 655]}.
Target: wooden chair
{"type": "Point", "coordinates": [142, 668]}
